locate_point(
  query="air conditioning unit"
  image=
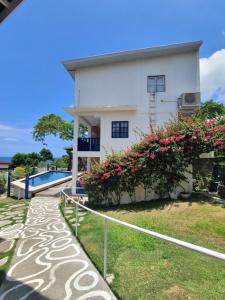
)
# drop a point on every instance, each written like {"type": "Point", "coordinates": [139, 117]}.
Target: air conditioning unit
{"type": "Point", "coordinates": [189, 100]}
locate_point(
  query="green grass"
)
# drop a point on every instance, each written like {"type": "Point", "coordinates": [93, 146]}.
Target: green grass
{"type": "Point", "coordinates": [5, 203]}
{"type": "Point", "coordinates": [147, 268]}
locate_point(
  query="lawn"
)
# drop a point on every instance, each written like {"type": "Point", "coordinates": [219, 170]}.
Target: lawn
{"type": "Point", "coordinates": [6, 207]}
{"type": "Point", "coordinates": [147, 268]}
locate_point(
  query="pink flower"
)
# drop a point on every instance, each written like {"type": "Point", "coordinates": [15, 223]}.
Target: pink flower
{"type": "Point", "coordinates": [165, 141]}
{"type": "Point", "coordinates": [179, 137]}
{"type": "Point", "coordinates": [211, 121]}
{"type": "Point", "coordinates": [218, 143]}
{"type": "Point", "coordinates": [208, 138]}
{"type": "Point", "coordinates": [163, 149]}
{"type": "Point", "coordinates": [133, 170]}
{"type": "Point", "coordinates": [152, 156]}
{"type": "Point", "coordinates": [119, 169]}
{"type": "Point", "coordinates": [120, 173]}
{"type": "Point", "coordinates": [106, 176]}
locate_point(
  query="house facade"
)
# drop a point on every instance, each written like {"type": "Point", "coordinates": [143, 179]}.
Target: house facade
{"type": "Point", "coordinates": [120, 96]}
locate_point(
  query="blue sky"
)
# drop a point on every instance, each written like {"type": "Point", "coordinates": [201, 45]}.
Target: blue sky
{"type": "Point", "coordinates": [40, 34]}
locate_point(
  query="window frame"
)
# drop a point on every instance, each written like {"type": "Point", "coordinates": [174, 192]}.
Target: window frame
{"type": "Point", "coordinates": [120, 132]}
{"type": "Point", "coordinates": [156, 77]}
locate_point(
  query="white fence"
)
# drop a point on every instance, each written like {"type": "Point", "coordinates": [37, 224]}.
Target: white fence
{"type": "Point", "coordinates": [76, 198]}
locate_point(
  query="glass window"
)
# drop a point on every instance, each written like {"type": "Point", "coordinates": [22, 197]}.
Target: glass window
{"type": "Point", "coordinates": [120, 129]}
{"type": "Point", "coordinates": [156, 84]}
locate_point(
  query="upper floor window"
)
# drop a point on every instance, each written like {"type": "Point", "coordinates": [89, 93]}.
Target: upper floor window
{"type": "Point", "coordinates": [120, 129]}
{"type": "Point", "coordinates": [156, 84]}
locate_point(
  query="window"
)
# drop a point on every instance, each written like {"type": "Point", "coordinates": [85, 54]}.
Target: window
{"type": "Point", "coordinates": [156, 84]}
{"type": "Point", "coordinates": [120, 129]}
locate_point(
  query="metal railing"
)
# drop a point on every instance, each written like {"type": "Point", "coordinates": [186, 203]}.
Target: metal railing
{"type": "Point", "coordinates": [190, 246]}
{"type": "Point", "coordinates": [88, 144]}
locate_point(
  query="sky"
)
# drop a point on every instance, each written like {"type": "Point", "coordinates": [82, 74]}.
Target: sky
{"type": "Point", "coordinates": [40, 34]}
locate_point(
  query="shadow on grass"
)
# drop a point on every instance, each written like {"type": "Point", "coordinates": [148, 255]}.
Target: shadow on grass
{"type": "Point", "coordinates": [159, 204]}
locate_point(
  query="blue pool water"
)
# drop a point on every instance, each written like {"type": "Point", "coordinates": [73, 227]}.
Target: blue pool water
{"type": "Point", "coordinates": [48, 177]}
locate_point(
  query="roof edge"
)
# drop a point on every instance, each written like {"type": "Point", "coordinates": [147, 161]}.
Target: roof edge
{"type": "Point", "coordinates": [128, 55]}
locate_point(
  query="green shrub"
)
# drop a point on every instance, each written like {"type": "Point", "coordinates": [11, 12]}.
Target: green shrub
{"type": "Point", "coordinates": [202, 182]}
{"type": "Point", "coordinates": [2, 184]}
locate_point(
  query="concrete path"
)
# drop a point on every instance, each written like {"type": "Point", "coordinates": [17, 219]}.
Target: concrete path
{"type": "Point", "coordinates": [49, 263]}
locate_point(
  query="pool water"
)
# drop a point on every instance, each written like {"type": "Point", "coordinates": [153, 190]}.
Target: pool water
{"type": "Point", "coordinates": [48, 177]}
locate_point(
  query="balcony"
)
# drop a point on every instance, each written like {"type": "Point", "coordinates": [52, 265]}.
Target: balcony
{"type": "Point", "coordinates": [88, 144]}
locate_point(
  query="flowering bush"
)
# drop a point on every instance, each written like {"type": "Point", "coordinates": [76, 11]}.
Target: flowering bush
{"type": "Point", "coordinates": [159, 162]}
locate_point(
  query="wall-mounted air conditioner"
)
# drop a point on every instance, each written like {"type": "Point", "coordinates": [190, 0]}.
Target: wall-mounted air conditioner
{"type": "Point", "coordinates": [189, 100]}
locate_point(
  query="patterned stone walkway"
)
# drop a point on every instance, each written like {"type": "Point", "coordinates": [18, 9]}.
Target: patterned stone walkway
{"type": "Point", "coordinates": [49, 263]}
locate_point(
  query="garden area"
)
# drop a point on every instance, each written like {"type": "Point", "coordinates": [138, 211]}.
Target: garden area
{"type": "Point", "coordinates": [142, 267]}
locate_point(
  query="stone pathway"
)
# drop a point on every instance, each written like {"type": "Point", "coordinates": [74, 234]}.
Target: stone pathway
{"type": "Point", "coordinates": [49, 263]}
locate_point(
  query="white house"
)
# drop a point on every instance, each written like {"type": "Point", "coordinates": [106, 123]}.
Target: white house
{"type": "Point", "coordinates": [118, 96]}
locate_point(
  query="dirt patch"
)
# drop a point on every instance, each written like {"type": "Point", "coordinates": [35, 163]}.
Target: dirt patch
{"type": "Point", "coordinates": [179, 293]}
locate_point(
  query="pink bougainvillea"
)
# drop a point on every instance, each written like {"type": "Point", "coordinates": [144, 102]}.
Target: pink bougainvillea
{"type": "Point", "coordinates": [158, 162]}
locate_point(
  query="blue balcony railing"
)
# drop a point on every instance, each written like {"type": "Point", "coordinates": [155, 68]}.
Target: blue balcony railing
{"type": "Point", "coordinates": [88, 144]}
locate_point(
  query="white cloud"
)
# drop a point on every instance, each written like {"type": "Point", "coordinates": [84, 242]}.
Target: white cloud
{"type": "Point", "coordinates": [13, 140]}
{"type": "Point", "coordinates": [212, 73]}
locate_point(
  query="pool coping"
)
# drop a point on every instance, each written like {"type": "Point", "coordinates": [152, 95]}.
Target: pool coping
{"type": "Point", "coordinates": [20, 184]}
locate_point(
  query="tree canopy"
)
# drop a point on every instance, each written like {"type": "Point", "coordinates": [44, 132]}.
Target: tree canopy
{"type": "Point", "coordinates": [52, 125]}
{"type": "Point", "coordinates": [46, 154]}
{"type": "Point", "coordinates": [211, 109]}
{"type": "Point", "coordinates": [56, 126]}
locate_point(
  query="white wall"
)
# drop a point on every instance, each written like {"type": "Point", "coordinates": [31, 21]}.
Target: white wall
{"type": "Point", "coordinates": [126, 84]}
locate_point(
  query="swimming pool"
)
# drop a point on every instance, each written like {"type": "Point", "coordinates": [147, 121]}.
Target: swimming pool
{"type": "Point", "coordinates": [48, 177]}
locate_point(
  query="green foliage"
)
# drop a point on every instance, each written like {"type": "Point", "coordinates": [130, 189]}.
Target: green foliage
{"type": "Point", "coordinates": [2, 184]}
{"type": "Point", "coordinates": [211, 109]}
{"type": "Point", "coordinates": [52, 125]}
{"type": "Point", "coordinates": [61, 162]}
{"type": "Point", "coordinates": [202, 183]}
{"type": "Point", "coordinates": [46, 154]}
{"type": "Point", "coordinates": [23, 159]}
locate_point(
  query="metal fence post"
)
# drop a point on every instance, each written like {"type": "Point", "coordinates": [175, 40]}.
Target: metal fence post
{"type": "Point", "coordinates": [27, 187]}
{"type": "Point", "coordinates": [105, 247]}
{"type": "Point", "coordinates": [76, 219]}
{"type": "Point", "coordinates": [9, 184]}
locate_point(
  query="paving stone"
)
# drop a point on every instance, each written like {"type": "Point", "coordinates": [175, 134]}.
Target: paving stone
{"type": "Point", "coordinates": [72, 220]}
{"type": "Point", "coordinates": [16, 205]}
{"type": "Point", "coordinates": [81, 219]}
{"type": "Point", "coordinates": [81, 214]}
{"type": "Point", "coordinates": [6, 245]}
{"type": "Point", "coordinates": [5, 222]}
{"type": "Point", "coordinates": [3, 261]}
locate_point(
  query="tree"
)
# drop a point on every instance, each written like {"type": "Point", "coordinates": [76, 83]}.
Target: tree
{"type": "Point", "coordinates": [23, 159]}
{"type": "Point", "coordinates": [56, 126]}
{"type": "Point", "coordinates": [19, 159]}
{"type": "Point", "coordinates": [52, 125]}
{"type": "Point", "coordinates": [46, 154]}
{"type": "Point", "coordinates": [211, 109]}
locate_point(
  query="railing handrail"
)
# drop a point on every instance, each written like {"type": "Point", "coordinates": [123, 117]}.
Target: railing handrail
{"type": "Point", "coordinates": [160, 236]}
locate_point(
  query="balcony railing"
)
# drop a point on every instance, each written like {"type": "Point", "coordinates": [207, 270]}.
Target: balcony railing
{"type": "Point", "coordinates": [88, 144]}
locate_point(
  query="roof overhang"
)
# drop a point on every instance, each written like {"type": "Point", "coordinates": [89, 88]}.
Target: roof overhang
{"type": "Point", "coordinates": [86, 110]}
{"type": "Point", "coordinates": [72, 65]}
{"type": "Point", "coordinates": [6, 7]}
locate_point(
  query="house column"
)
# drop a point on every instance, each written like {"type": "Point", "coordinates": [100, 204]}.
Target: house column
{"type": "Point", "coordinates": [88, 164]}
{"type": "Point", "coordinates": [75, 152]}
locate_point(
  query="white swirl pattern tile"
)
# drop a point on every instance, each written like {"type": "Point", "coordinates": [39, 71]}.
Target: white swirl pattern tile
{"type": "Point", "coordinates": [49, 263]}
